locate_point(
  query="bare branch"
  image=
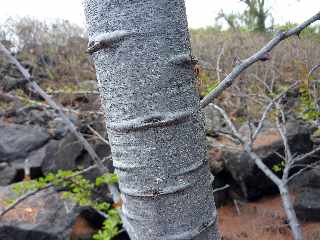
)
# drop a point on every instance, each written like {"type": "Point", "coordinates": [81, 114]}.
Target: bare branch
{"type": "Point", "coordinates": [218, 70]}
{"type": "Point", "coordinates": [221, 188]}
{"type": "Point", "coordinates": [309, 166]}
{"type": "Point", "coordinates": [309, 154]}
{"type": "Point", "coordinates": [248, 148]}
{"type": "Point", "coordinates": [114, 190]}
{"type": "Point", "coordinates": [37, 103]}
{"type": "Point", "coordinates": [281, 184]}
{"type": "Point", "coordinates": [98, 135]}
{"type": "Point", "coordinates": [312, 71]}
{"type": "Point", "coordinates": [264, 83]}
{"type": "Point", "coordinates": [229, 122]}
{"type": "Point", "coordinates": [258, 56]}
{"type": "Point", "coordinates": [23, 198]}
{"type": "Point", "coordinates": [284, 136]}
{"type": "Point", "coordinates": [6, 97]}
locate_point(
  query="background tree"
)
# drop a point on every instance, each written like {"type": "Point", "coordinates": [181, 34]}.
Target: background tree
{"type": "Point", "coordinates": [142, 54]}
{"type": "Point", "coordinates": [254, 17]}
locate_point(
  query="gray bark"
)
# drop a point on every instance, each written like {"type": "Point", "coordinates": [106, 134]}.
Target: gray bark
{"type": "Point", "coordinates": [291, 214]}
{"type": "Point", "coordinates": [141, 51]}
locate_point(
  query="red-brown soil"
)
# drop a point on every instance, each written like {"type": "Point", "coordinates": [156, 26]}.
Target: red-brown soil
{"type": "Point", "coordinates": [262, 220]}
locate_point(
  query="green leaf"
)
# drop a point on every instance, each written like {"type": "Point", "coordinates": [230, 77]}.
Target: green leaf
{"type": "Point", "coordinates": [109, 178]}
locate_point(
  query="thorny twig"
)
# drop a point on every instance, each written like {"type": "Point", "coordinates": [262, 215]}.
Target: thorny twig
{"type": "Point", "coordinates": [258, 56]}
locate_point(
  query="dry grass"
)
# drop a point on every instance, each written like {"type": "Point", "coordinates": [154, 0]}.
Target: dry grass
{"type": "Point", "coordinates": [291, 61]}
{"type": "Point", "coordinates": [56, 54]}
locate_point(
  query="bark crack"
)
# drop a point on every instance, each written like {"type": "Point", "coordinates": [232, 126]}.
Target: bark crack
{"type": "Point", "coordinates": [151, 121]}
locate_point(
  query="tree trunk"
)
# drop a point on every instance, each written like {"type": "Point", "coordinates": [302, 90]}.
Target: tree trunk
{"type": "Point", "coordinates": [142, 55]}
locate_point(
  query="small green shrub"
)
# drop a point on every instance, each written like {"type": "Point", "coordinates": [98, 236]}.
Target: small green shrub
{"type": "Point", "coordinates": [79, 190]}
{"type": "Point", "coordinates": [308, 109]}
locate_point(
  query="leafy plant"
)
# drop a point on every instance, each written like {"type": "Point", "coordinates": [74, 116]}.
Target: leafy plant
{"type": "Point", "coordinates": [308, 108]}
{"type": "Point", "coordinates": [206, 84]}
{"type": "Point", "coordinates": [279, 167]}
{"type": "Point", "coordinates": [78, 189]}
{"type": "Point", "coordinates": [110, 227]}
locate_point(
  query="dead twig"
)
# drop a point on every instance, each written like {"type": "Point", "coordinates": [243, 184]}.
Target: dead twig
{"type": "Point", "coordinates": [312, 71]}
{"type": "Point", "coordinates": [236, 205]}
{"type": "Point", "coordinates": [98, 135]}
{"type": "Point", "coordinates": [310, 166]}
{"type": "Point", "coordinates": [221, 188]}
{"type": "Point", "coordinates": [218, 70]}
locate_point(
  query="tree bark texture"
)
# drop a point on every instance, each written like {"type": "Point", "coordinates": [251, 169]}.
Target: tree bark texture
{"type": "Point", "coordinates": [142, 54]}
{"type": "Point", "coordinates": [291, 214]}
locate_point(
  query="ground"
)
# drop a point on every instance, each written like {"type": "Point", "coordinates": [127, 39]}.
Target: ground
{"type": "Point", "coordinates": [263, 220]}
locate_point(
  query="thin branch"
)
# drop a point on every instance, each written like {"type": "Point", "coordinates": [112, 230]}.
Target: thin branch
{"type": "Point", "coordinates": [228, 135]}
{"type": "Point", "coordinates": [236, 205]}
{"type": "Point", "coordinates": [309, 154]}
{"type": "Point", "coordinates": [280, 156]}
{"type": "Point", "coordinates": [98, 135]}
{"type": "Point", "coordinates": [22, 198]}
{"type": "Point", "coordinates": [80, 92]}
{"type": "Point", "coordinates": [229, 122]}
{"type": "Point", "coordinates": [261, 55]}
{"type": "Point", "coordinates": [310, 166]}
{"type": "Point", "coordinates": [281, 183]}
{"type": "Point", "coordinates": [103, 169]}
{"type": "Point", "coordinates": [6, 97]}
{"type": "Point", "coordinates": [266, 85]}
{"type": "Point", "coordinates": [248, 148]}
{"type": "Point", "coordinates": [258, 161]}
{"type": "Point", "coordinates": [49, 185]}
{"type": "Point", "coordinates": [269, 107]}
{"type": "Point", "coordinates": [40, 104]}
{"type": "Point", "coordinates": [284, 136]}
{"type": "Point", "coordinates": [312, 71]}
{"type": "Point", "coordinates": [218, 70]}
{"type": "Point", "coordinates": [260, 124]}
{"type": "Point", "coordinates": [221, 188]}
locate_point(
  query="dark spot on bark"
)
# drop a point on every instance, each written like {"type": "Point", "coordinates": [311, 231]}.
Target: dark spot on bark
{"type": "Point", "coordinates": [153, 120]}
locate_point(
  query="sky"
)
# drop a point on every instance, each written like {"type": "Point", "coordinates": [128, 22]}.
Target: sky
{"type": "Point", "coordinates": [201, 13]}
